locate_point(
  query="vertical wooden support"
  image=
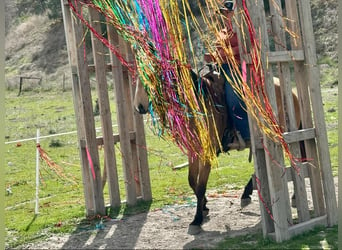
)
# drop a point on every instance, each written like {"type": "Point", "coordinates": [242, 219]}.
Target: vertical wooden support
{"type": "Point", "coordinates": [305, 110]}
{"type": "Point", "coordinates": [256, 136]}
{"type": "Point", "coordinates": [70, 40]}
{"type": "Point", "coordinates": [88, 119]}
{"type": "Point", "coordinates": [122, 107]}
{"type": "Point", "coordinates": [144, 171]}
{"type": "Point", "coordinates": [312, 76]}
{"type": "Point", "coordinates": [291, 124]}
{"type": "Point", "coordinates": [105, 114]}
{"type": "Point", "coordinates": [131, 126]}
{"type": "Point", "coordinates": [128, 89]}
{"type": "Point", "coordinates": [277, 185]}
{"type": "Point", "coordinates": [316, 146]}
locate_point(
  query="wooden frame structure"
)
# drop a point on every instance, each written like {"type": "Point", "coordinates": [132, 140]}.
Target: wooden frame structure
{"type": "Point", "coordinates": [273, 186]}
{"type": "Point", "coordinates": [131, 127]}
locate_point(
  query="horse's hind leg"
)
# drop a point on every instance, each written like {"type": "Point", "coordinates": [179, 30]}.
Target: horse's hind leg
{"type": "Point", "coordinates": [246, 196]}
{"type": "Point", "coordinates": [200, 189]}
{"type": "Point", "coordinates": [193, 173]}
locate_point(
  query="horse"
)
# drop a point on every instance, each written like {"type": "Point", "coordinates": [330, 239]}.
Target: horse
{"type": "Point", "coordinates": [215, 103]}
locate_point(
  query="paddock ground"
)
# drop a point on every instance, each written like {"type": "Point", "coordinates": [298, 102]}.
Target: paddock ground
{"type": "Point", "coordinates": [166, 228]}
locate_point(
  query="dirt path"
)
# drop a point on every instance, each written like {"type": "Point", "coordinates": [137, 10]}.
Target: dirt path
{"type": "Point", "coordinates": [167, 228]}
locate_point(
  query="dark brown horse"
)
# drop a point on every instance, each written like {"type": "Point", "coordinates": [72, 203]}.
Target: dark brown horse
{"type": "Point", "coordinates": [215, 104]}
{"type": "Point", "coordinates": [198, 170]}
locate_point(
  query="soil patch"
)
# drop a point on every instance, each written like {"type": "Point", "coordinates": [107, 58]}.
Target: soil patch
{"type": "Point", "coordinates": [167, 228]}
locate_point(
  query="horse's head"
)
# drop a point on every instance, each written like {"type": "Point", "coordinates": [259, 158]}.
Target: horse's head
{"type": "Point", "coordinates": [141, 101]}
{"type": "Point", "coordinates": [214, 83]}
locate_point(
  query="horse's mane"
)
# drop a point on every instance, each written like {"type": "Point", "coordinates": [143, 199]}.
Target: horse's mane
{"type": "Point", "coordinates": [209, 88]}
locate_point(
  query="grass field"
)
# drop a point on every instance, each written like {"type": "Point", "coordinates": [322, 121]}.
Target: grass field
{"type": "Point", "coordinates": [61, 193]}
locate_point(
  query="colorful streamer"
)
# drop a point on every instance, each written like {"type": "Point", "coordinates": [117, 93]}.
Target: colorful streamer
{"type": "Point", "coordinates": [159, 31]}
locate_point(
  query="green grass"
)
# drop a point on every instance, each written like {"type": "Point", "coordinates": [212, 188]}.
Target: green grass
{"type": "Point", "coordinates": [61, 192]}
{"type": "Point", "coordinates": [318, 238]}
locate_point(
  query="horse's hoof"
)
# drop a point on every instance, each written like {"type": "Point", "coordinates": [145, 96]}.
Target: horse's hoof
{"type": "Point", "coordinates": [194, 229]}
{"type": "Point", "coordinates": [245, 202]}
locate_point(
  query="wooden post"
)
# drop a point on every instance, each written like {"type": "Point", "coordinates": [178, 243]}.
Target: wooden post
{"type": "Point", "coordinates": [312, 76]}
{"type": "Point", "coordinates": [131, 128]}
{"type": "Point", "coordinates": [122, 106]}
{"type": "Point", "coordinates": [144, 171]}
{"type": "Point", "coordinates": [88, 118]}
{"type": "Point", "coordinates": [70, 40]}
{"type": "Point", "coordinates": [105, 114]}
{"type": "Point", "coordinates": [305, 110]}
{"type": "Point", "coordinates": [36, 210]}
{"type": "Point", "coordinates": [291, 123]}
{"type": "Point", "coordinates": [128, 89]}
{"type": "Point", "coordinates": [277, 184]}
{"type": "Point", "coordinates": [258, 152]}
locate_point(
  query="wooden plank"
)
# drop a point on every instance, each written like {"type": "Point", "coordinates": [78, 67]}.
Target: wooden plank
{"type": "Point", "coordinates": [261, 171]}
{"type": "Point", "coordinates": [280, 56]}
{"type": "Point", "coordinates": [116, 139]}
{"type": "Point", "coordinates": [312, 74]}
{"type": "Point", "coordinates": [304, 168]}
{"type": "Point", "coordinates": [106, 67]}
{"type": "Point", "coordinates": [305, 226]}
{"type": "Point", "coordinates": [305, 109]}
{"type": "Point", "coordinates": [86, 179]}
{"type": "Point", "coordinates": [299, 135]}
{"type": "Point", "coordinates": [105, 113]}
{"type": "Point", "coordinates": [88, 118]}
{"type": "Point", "coordinates": [121, 105]}
{"type": "Point", "coordinates": [296, 136]}
{"type": "Point", "coordinates": [183, 165]}
{"type": "Point", "coordinates": [274, 157]}
{"type": "Point", "coordinates": [310, 145]}
{"type": "Point", "coordinates": [285, 56]}
{"type": "Point", "coordinates": [144, 171]}
{"type": "Point", "coordinates": [69, 33]}
{"type": "Point", "coordinates": [289, 112]}
{"type": "Point", "coordinates": [128, 91]}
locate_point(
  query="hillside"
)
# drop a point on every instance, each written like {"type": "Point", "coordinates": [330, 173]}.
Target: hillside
{"type": "Point", "coordinates": [35, 45]}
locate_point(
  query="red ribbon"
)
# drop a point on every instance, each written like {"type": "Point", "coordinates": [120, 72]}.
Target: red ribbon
{"type": "Point", "coordinates": [90, 163]}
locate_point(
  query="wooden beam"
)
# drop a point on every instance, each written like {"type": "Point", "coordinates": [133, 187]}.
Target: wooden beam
{"type": "Point", "coordinates": [305, 226]}
{"type": "Point", "coordinates": [107, 67]}
{"type": "Point", "coordinates": [280, 56]}
{"type": "Point", "coordinates": [183, 165]}
{"type": "Point", "coordinates": [99, 139]}
{"type": "Point", "coordinates": [299, 135]}
{"type": "Point", "coordinates": [285, 56]}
